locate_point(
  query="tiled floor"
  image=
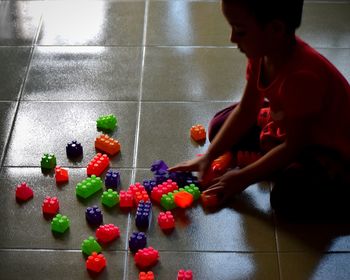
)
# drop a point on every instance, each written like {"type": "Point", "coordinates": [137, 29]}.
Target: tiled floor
{"type": "Point", "coordinates": [160, 67]}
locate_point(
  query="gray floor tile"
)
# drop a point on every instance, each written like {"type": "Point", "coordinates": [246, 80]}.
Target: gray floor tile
{"type": "Point", "coordinates": [46, 127]}
{"type": "Point", "coordinates": [19, 22]}
{"type": "Point", "coordinates": [315, 266]}
{"type": "Point", "coordinates": [24, 226]}
{"type": "Point", "coordinates": [50, 265]}
{"type": "Point", "coordinates": [201, 23]}
{"type": "Point", "coordinates": [197, 74]}
{"type": "Point", "coordinates": [84, 73]}
{"type": "Point", "coordinates": [14, 63]}
{"type": "Point", "coordinates": [340, 58]}
{"type": "Point", "coordinates": [7, 112]}
{"type": "Point", "coordinates": [99, 23]}
{"type": "Point", "coordinates": [207, 265]}
{"type": "Point", "coordinates": [326, 25]}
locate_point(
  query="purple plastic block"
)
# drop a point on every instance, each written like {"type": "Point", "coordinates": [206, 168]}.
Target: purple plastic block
{"type": "Point", "coordinates": [112, 179]}
{"type": "Point", "coordinates": [137, 241]}
{"type": "Point", "coordinates": [149, 185]}
{"type": "Point", "coordinates": [161, 176]}
{"type": "Point", "coordinates": [74, 149]}
{"type": "Point", "coordinates": [143, 214]}
{"type": "Point", "coordinates": [183, 178]}
{"type": "Point", "coordinates": [94, 215]}
{"type": "Point", "coordinates": [158, 165]}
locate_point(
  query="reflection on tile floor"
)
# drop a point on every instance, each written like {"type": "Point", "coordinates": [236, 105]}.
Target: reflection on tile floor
{"type": "Point", "coordinates": [160, 67]}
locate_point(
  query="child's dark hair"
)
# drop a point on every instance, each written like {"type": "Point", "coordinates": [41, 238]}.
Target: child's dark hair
{"type": "Point", "coordinates": [288, 11]}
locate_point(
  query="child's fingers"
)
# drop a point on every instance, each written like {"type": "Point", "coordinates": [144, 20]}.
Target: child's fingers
{"type": "Point", "coordinates": [181, 167]}
{"type": "Point", "coordinates": [213, 190]}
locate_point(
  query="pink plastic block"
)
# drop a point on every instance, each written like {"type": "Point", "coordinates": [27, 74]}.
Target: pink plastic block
{"type": "Point", "coordinates": [107, 233]}
{"type": "Point", "coordinates": [164, 188]}
{"type": "Point", "coordinates": [184, 274]}
{"type": "Point", "coordinates": [146, 257]}
{"type": "Point", "coordinates": [166, 220]}
{"type": "Point", "coordinates": [139, 193]}
{"type": "Point", "coordinates": [146, 275]}
{"type": "Point", "coordinates": [126, 199]}
{"type": "Point", "coordinates": [50, 206]}
{"type": "Point", "coordinates": [96, 262]}
{"type": "Point", "coordinates": [24, 192]}
{"type": "Point", "coordinates": [97, 165]}
{"type": "Point", "coordinates": [61, 175]}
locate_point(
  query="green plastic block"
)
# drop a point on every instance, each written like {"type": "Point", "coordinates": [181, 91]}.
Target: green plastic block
{"type": "Point", "coordinates": [107, 122]}
{"type": "Point", "coordinates": [90, 245]}
{"type": "Point", "coordinates": [192, 189]}
{"type": "Point", "coordinates": [60, 223]}
{"type": "Point", "coordinates": [110, 198]}
{"type": "Point", "coordinates": [167, 201]}
{"type": "Point", "coordinates": [48, 161]}
{"type": "Point", "coordinates": [89, 186]}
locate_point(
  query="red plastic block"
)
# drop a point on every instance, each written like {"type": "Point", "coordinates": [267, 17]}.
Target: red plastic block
{"type": "Point", "coordinates": [126, 199]}
{"type": "Point", "coordinates": [184, 274]}
{"type": "Point", "coordinates": [61, 175]}
{"type": "Point", "coordinates": [107, 144]}
{"type": "Point", "coordinates": [96, 262]}
{"type": "Point", "coordinates": [183, 199]}
{"type": "Point", "coordinates": [209, 200]}
{"type": "Point", "coordinates": [97, 165]}
{"type": "Point", "coordinates": [50, 206]}
{"type": "Point", "coordinates": [166, 220]}
{"type": "Point", "coordinates": [146, 257]}
{"type": "Point", "coordinates": [218, 167]}
{"type": "Point", "coordinates": [146, 275]}
{"type": "Point", "coordinates": [139, 193]}
{"type": "Point", "coordinates": [164, 188]}
{"type": "Point", "coordinates": [198, 132]}
{"type": "Point", "coordinates": [107, 233]}
{"type": "Point", "coordinates": [24, 192]}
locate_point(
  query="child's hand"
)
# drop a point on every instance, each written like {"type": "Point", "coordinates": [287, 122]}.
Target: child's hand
{"type": "Point", "coordinates": [200, 164]}
{"type": "Point", "coordinates": [226, 186]}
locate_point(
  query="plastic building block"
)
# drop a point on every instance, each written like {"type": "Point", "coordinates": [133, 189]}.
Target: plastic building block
{"type": "Point", "coordinates": [161, 176]}
{"type": "Point", "coordinates": [137, 240]}
{"type": "Point", "coordinates": [107, 122]}
{"type": "Point", "coordinates": [146, 257]}
{"type": "Point", "coordinates": [164, 188]}
{"type": "Point", "coordinates": [139, 193]}
{"type": "Point", "coordinates": [96, 262]}
{"type": "Point", "coordinates": [126, 199]}
{"type": "Point", "coordinates": [193, 190]}
{"type": "Point", "coordinates": [60, 223]}
{"type": "Point", "coordinates": [183, 178]}
{"type": "Point", "coordinates": [198, 133]}
{"type": "Point", "coordinates": [184, 274]}
{"type": "Point", "coordinates": [110, 198]}
{"type": "Point", "coordinates": [48, 161]}
{"type": "Point", "coordinates": [107, 233]}
{"type": "Point", "coordinates": [143, 214]}
{"type": "Point", "coordinates": [61, 175]}
{"type": "Point", "coordinates": [88, 187]}
{"type": "Point", "coordinates": [74, 149]}
{"type": "Point", "coordinates": [183, 199]}
{"type": "Point", "coordinates": [158, 165]}
{"type": "Point", "coordinates": [218, 167]}
{"type": "Point", "coordinates": [97, 165]}
{"type": "Point", "coordinates": [167, 201]}
{"type": "Point", "coordinates": [149, 185]}
{"type": "Point", "coordinates": [166, 220]}
{"type": "Point", "coordinates": [209, 201]}
{"type": "Point", "coordinates": [112, 179]}
{"type": "Point", "coordinates": [50, 206]}
{"type": "Point", "coordinates": [90, 245]}
{"type": "Point", "coordinates": [94, 215]}
{"type": "Point", "coordinates": [245, 158]}
{"type": "Point", "coordinates": [107, 144]}
{"type": "Point", "coordinates": [24, 192]}
{"type": "Point", "coordinates": [146, 275]}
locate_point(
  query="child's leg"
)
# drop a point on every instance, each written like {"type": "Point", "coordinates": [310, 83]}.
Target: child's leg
{"type": "Point", "coordinates": [316, 187]}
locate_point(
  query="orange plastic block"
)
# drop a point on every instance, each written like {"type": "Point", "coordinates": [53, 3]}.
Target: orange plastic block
{"type": "Point", "coordinates": [198, 132]}
{"type": "Point", "coordinates": [61, 175]}
{"type": "Point", "coordinates": [146, 275]}
{"type": "Point", "coordinates": [96, 262]}
{"type": "Point", "coordinates": [183, 199]}
{"type": "Point", "coordinates": [218, 167]}
{"type": "Point", "coordinates": [97, 165]}
{"type": "Point", "coordinates": [209, 200]}
{"type": "Point", "coordinates": [107, 144]}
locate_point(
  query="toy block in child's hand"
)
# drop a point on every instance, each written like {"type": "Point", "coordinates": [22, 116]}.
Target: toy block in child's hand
{"type": "Point", "coordinates": [198, 133]}
{"type": "Point", "coordinates": [107, 144]}
{"type": "Point", "coordinates": [209, 201]}
{"type": "Point", "coordinates": [218, 167]}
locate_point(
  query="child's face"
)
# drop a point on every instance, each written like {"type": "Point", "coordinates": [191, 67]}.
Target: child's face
{"type": "Point", "coordinates": [251, 38]}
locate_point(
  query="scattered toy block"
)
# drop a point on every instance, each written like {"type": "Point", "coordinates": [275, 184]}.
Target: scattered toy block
{"type": "Point", "coordinates": [94, 215]}
{"type": "Point", "coordinates": [50, 205]}
{"type": "Point", "coordinates": [139, 192]}
{"type": "Point", "coordinates": [107, 144]}
{"type": "Point", "coordinates": [158, 165]}
{"type": "Point", "coordinates": [167, 201]}
{"type": "Point", "coordinates": [149, 185]}
{"type": "Point", "coordinates": [61, 175]}
{"type": "Point", "coordinates": [146, 257]}
{"type": "Point", "coordinates": [60, 223]}
{"type": "Point", "coordinates": [166, 220]}
{"type": "Point", "coordinates": [184, 274]}
{"type": "Point", "coordinates": [107, 122]}
{"type": "Point", "coordinates": [183, 199]}
{"type": "Point", "coordinates": [198, 133]}
{"type": "Point", "coordinates": [164, 188]}
{"type": "Point", "coordinates": [112, 179]}
{"type": "Point", "coordinates": [193, 190]}
{"type": "Point", "coordinates": [137, 240]}
{"type": "Point", "coordinates": [90, 245]}
{"type": "Point", "coordinates": [48, 161]}
{"type": "Point", "coordinates": [96, 262]}
{"type": "Point", "coordinates": [146, 275]}
{"type": "Point", "coordinates": [24, 192]}
{"type": "Point", "coordinates": [88, 187]}
{"type": "Point", "coordinates": [97, 165]}
{"type": "Point", "coordinates": [107, 233]}
{"type": "Point", "coordinates": [126, 199]}
{"type": "Point", "coordinates": [110, 198]}
{"type": "Point", "coordinates": [143, 214]}
{"type": "Point", "coordinates": [74, 149]}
